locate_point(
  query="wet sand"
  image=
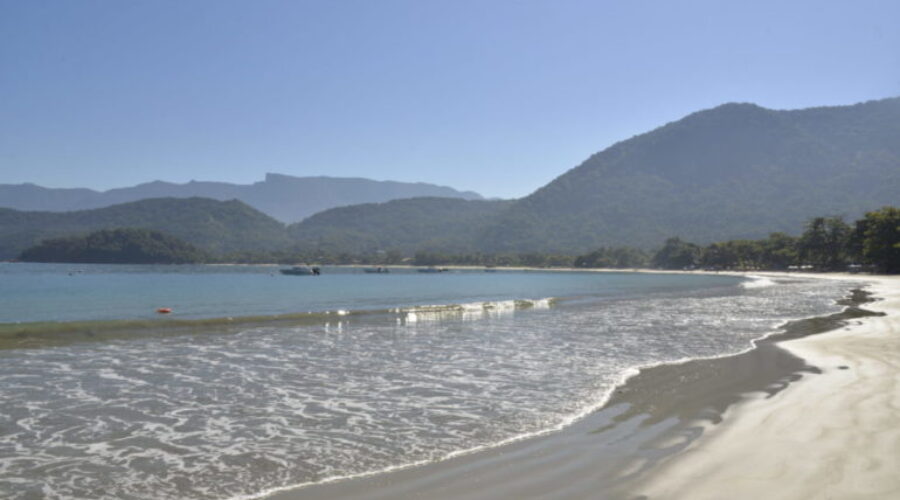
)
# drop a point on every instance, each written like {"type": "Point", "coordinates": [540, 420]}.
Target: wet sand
{"type": "Point", "coordinates": [642, 442]}
{"type": "Point", "coordinates": [831, 436]}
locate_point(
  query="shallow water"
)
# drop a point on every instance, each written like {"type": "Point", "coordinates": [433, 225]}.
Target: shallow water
{"type": "Point", "coordinates": [235, 415]}
{"type": "Point", "coordinates": [68, 292]}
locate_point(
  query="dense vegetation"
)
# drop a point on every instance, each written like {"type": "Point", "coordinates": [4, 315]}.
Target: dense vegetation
{"type": "Point", "coordinates": [419, 224]}
{"type": "Point", "coordinates": [618, 257]}
{"type": "Point", "coordinates": [827, 244]}
{"type": "Point", "coordinates": [116, 246]}
{"type": "Point", "coordinates": [215, 226]}
{"type": "Point", "coordinates": [737, 171]}
{"type": "Point", "coordinates": [282, 197]}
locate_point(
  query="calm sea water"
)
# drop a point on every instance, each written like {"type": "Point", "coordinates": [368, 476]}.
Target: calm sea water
{"type": "Point", "coordinates": [64, 292]}
{"type": "Point", "coordinates": [445, 363]}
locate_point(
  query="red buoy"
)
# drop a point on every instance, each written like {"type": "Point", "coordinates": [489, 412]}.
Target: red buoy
{"type": "Point", "coordinates": [164, 310]}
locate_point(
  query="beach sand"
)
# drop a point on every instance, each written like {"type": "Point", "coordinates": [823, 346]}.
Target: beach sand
{"type": "Point", "coordinates": [836, 435]}
{"type": "Point", "coordinates": [815, 417]}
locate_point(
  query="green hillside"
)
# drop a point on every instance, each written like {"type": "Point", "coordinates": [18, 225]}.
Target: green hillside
{"type": "Point", "coordinates": [116, 246]}
{"type": "Point", "coordinates": [735, 171]}
{"type": "Point", "coordinates": [214, 226]}
{"type": "Point", "coordinates": [434, 224]}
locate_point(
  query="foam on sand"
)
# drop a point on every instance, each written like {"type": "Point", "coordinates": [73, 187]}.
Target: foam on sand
{"type": "Point", "coordinates": [833, 435]}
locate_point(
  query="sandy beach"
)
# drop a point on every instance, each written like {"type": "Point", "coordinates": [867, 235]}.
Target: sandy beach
{"type": "Point", "coordinates": [836, 435]}
{"type": "Point", "coordinates": [801, 416]}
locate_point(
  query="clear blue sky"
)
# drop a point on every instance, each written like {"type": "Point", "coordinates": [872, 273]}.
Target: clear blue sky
{"type": "Point", "coordinates": [495, 96]}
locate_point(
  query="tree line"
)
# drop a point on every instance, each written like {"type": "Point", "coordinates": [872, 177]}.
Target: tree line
{"type": "Point", "coordinates": [117, 246]}
{"type": "Point", "coordinates": [827, 244]}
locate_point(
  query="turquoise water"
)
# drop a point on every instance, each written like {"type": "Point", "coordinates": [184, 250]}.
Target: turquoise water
{"type": "Point", "coordinates": [65, 292]}
{"type": "Point", "coordinates": [236, 412]}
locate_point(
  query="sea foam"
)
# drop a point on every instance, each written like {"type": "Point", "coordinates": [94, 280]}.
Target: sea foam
{"type": "Point", "coordinates": [235, 416]}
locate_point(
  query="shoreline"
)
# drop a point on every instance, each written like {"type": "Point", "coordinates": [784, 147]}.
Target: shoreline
{"type": "Point", "coordinates": [832, 436]}
{"type": "Point", "coordinates": [638, 433]}
{"type": "Point", "coordinates": [36, 334]}
{"type": "Point", "coordinates": [647, 423]}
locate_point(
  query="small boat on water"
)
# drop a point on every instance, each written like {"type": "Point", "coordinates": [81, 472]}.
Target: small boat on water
{"type": "Point", "coordinates": [432, 269]}
{"type": "Point", "coordinates": [302, 270]}
{"type": "Point", "coordinates": [376, 270]}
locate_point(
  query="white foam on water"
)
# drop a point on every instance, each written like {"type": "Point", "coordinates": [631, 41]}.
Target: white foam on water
{"type": "Point", "coordinates": [543, 303]}
{"type": "Point", "coordinates": [758, 282]}
{"type": "Point", "coordinates": [469, 311]}
{"type": "Point", "coordinates": [242, 416]}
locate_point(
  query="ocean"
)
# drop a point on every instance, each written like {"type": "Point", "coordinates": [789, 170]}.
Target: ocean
{"type": "Point", "coordinates": [337, 375]}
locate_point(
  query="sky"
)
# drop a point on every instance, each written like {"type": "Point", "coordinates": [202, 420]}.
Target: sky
{"type": "Point", "coordinates": [499, 97]}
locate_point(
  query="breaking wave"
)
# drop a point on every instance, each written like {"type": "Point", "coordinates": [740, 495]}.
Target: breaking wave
{"type": "Point", "coordinates": [758, 282]}
{"type": "Point", "coordinates": [301, 399]}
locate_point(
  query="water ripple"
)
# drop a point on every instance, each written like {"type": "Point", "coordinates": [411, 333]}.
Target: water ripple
{"type": "Point", "coordinates": [220, 416]}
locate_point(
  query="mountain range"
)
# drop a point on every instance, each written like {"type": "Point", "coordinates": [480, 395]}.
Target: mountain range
{"type": "Point", "coordinates": [734, 171]}
{"type": "Point", "coordinates": [286, 198]}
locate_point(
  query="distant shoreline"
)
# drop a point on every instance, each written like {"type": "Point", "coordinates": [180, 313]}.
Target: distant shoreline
{"type": "Point", "coordinates": [454, 267]}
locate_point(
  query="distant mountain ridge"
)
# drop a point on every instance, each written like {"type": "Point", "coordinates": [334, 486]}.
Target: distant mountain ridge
{"type": "Point", "coordinates": [731, 172]}
{"type": "Point", "coordinates": [215, 226]}
{"type": "Point", "coordinates": [735, 171]}
{"type": "Point", "coordinates": [286, 198]}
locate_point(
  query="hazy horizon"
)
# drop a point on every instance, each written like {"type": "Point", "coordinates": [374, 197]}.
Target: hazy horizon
{"type": "Point", "coordinates": [495, 98]}
{"type": "Point", "coordinates": [262, 178]}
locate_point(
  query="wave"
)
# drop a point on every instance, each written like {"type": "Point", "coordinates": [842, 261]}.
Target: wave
{"type": "Point", "coordinates": [623, 377]}
{"type": "Point", "coordinates": [438, 379]}
{"type": "Point", "coordinates": [625, 374]}
{"type": "Point", "coordinates": [44, 334]}
{"type": "Point", "coordinates": [758, 282]}
{"type": "Point", "coordinates": [470, 310]}
{"type": "Point", "coordinates": [591, 407]}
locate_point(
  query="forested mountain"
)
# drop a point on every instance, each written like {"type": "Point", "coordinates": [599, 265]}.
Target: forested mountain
{"type": "Point", "coordinates": [734, 171]}
{"type": "Point", "coordinates": [215, 226]}
{"type": "Point", "coordinates": [116, 246]}
{"type": "Point", "coordinates": [286, 198]}
{"type": "Point", "coordinates": [431, 224]}
{"type": "Point", "coordinates": [737, 171]}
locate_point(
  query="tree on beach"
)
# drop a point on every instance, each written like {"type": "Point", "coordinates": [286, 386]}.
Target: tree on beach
{"type": "Point", "coordinates": [825, 243]}
{"type": "Point", "coordinates": [618, 257]}
{"type": "Point", "coordinates": [677, 254]}
{"type": "Point", "coordinates": [779, 251]}
{"type": "Point", "coordinates": [734, 254]}
{"type": "Point", "coordinates": [718, 256]}
{"type": "Point", "coordinates": [880, 239]}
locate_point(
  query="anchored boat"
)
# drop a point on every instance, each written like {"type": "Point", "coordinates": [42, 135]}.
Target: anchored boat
{"type": "Point", "coordinates": [302, 270]}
